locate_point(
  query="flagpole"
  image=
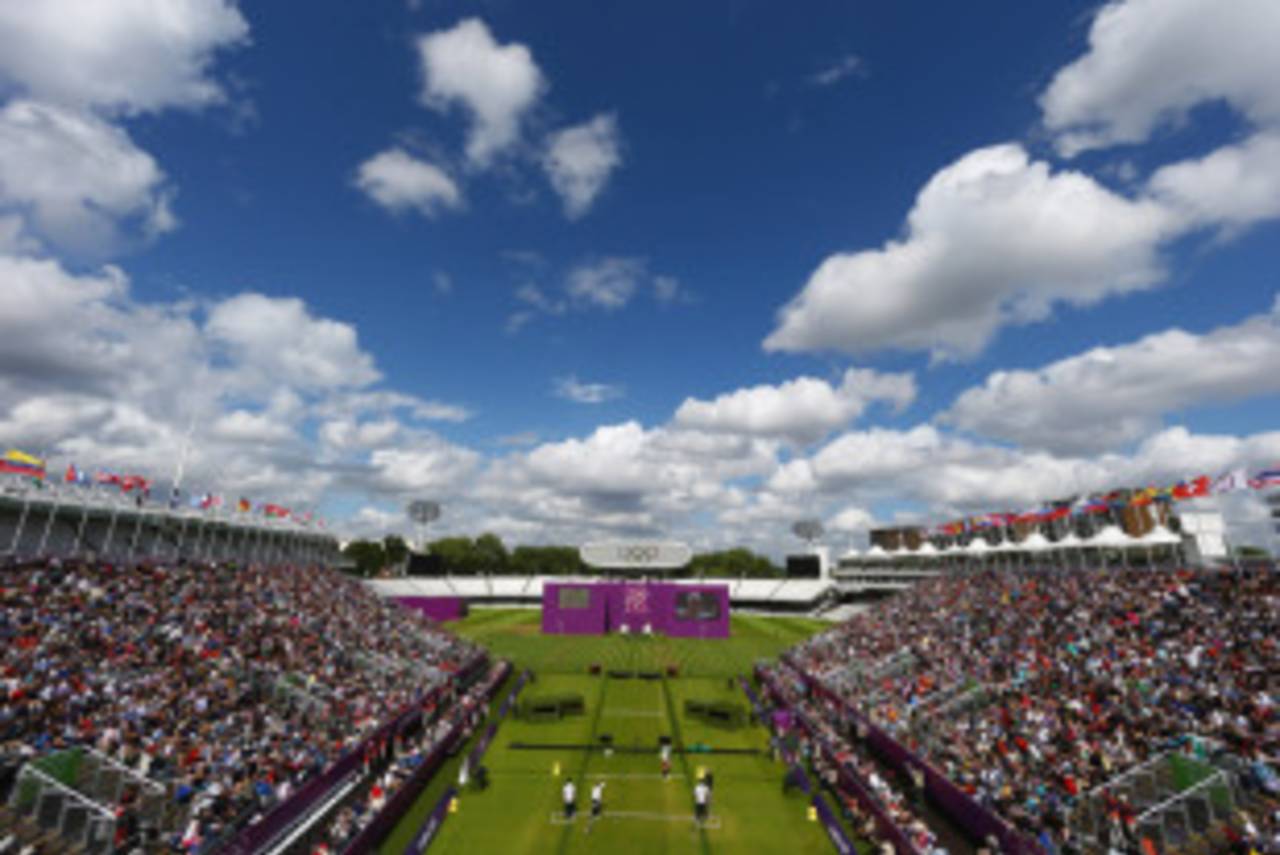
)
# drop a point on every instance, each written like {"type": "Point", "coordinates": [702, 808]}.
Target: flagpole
{"type": "Point", "coordinates": [22, 523]}
{"type": "Point", "coordinates": [84, 519]}
{"type": "Point", "coordinates": [111, 530]}
{"type": "Point", "coordinates": [48, 526]}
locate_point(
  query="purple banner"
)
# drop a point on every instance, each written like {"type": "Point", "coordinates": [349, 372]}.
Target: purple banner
{"type": "Point", "coordinates": [431, 827]}
{"type": "Point", "coordinates": [976, 820]}
{"type": "Point", "coordinates": [596, 608]}
{"type": "Point", "coordinates": [438, 609]}
{"type": "Point", "coordinates": [399, 804]}
{"type": "Point", "coordinates": [313, 792]}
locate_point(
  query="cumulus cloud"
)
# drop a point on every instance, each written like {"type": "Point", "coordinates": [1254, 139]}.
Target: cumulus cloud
{"type": "Point", "coordinates": [1151, 61]}
{"type": "Point", "coordinates": [607, 283]}
{"type": "Point", "coordinates": [496, 84]}
{"type": "Point", "coordinates": [801, 410]}
{"type": "Point", "coordinates": [1111, 396]}
{"type": "Point", "coordinates": [571, 388]}
{"type": "Point", "coordinates": [400, 182]}
{"type": "Point", "coordinates": [994, 238]}
{"type": "Point", "coordinates": [285, 342]}
{"type": "Point", "coordinates": [125, 56]}
{"type": "Point", "coordinates": [78, 181]}
{"type": "Point", "coordinates": [579, 160]}
{"type": "Point", "coordinates": [1234, 186]}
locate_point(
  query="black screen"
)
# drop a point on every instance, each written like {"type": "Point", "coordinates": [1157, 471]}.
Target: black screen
{"type": "Point", "coordinates": [803, 567]}
{"type": "Point", "coordinates": [697, 605]}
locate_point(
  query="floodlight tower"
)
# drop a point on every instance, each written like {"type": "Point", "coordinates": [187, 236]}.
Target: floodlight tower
{"type": "Point", "coordinates": [423, 512]}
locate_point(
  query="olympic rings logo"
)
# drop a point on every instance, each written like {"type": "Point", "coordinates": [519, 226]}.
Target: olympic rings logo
{"type": "Point", "coordinates": [638, 553]}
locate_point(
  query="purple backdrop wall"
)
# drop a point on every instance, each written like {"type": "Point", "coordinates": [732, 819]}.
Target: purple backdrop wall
{"type": "Point", "coordinates": [439, 609]}
{"type": "Point", "coordinates": [610, 605]}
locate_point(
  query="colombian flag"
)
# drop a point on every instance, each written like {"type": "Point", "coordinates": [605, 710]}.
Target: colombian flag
{"type": "Point", "coordinates": [20, 463]}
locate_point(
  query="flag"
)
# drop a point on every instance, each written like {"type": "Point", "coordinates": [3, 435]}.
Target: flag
{"type": "Point", "coordinates": [1229, 482]}
{"type": "Point", "coordinates": [72, 476]}
{"type": "Point", "coordinates": [1265, 478]}
{"type": "Point", "coordinates": [17, 462]}
{"type": "Point", "coordinates": [275, 511]}
{"type": "Point", "coordinates": [1193, 489]}
{"type": "Point", "coordinates": [244, 506]}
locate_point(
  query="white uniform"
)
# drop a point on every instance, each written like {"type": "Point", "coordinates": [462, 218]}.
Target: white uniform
{"type": "Point", "coordinates": [701, 794]}
{"type": "Point", "coordinates": [597, 798]}
{"type": "Point", "coordinates": [570, 793]}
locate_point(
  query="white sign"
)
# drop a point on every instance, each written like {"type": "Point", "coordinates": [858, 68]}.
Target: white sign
{"type": "Point", "coordinates": [635, 555]}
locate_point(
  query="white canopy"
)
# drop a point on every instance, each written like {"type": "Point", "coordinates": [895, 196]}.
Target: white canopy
{"type": "Point", "coordinates": [1035, 542]}
{"type": "Point", "coordinates": [927, 550]}
{"type": "Point", "coordinates": [1069, 541]}
{"type": "Point", "coordinates": [1160, 536]}
{"type": "Point", "coordinates": [1112, 537]}
{"type": "Point", "coordinates": [977, 546]}
{"type": "Point", "coordinates": [876, 551]}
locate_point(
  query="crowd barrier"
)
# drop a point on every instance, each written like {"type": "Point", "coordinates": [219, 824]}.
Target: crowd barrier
{"type": "Point", "coordinates": [310, 795]}
{"type": "Point", "coordinates": [977, 821]}
{"type": "Point", "coordinates": [422, 839]}
{"type": "Point", "coordinates": [830, 822]}
{"type": "Point", "coordinates": [398, 805]}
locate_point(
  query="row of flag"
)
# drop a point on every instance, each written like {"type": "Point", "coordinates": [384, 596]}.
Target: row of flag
{"type": "Point", "coordinates": [1118, 500]}
{"type": "Point", "coordinates": [17, 462]}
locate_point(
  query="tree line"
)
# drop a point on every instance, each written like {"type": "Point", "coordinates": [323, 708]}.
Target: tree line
{"type": "Point", "coordinates": [487, 554]}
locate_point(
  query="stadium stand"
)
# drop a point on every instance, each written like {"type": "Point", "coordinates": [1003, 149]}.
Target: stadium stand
{"type": "Point", "coordinates": [173, 705]}
{"type": "Point", "coordinates": [1124, 710]}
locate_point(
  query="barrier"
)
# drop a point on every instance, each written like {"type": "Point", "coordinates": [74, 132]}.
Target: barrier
{"type": "Point", "coordinates": [288, 813]}
{"type": "Point", "coordinates": [399, 804]}
{"type": "Point", "coordinates": [977, 821]}
{"type": "Point", "coordinates": [835, 831]}
{"type": "Point", "coordinates": [435, 819]}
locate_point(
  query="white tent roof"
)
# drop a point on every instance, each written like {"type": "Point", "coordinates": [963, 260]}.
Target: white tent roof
{"type": "Point", "coordinates": [927, 548]}
{"type": "Point", "coordinates": [1069, 541]}
{"type": "Point", "coordinates": [876, 551]}
{"type": "Point", "coordinates": [1160, 536]}
{"type": "Point", "coordinates": [851, 555]}
{"type": "Point", "coordinates": [978, 546]}
{"type": "Point", "coordinates": [1036, 542]}
{"type": "Point", "coordinates": [1007, 546]}
{"type": "Point", "coordinates": [1113, 537]}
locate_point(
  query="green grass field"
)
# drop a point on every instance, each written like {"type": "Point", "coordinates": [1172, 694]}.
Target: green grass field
{"type": "Point", "coordinates": [521, 810]}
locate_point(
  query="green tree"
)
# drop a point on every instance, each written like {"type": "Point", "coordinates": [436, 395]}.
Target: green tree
{"type": "Point", "coordinates": [395, 548]}
{"type": "Point", "coordinates": [458, 554]}
{"type": "Point", "coordinates": [369, 556]}
{"type": "Point", "coordinates": [491, 553]}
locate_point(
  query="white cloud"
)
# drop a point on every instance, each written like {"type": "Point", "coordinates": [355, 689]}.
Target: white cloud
{"type": "Point", "coordinates": [579, 160]}
{"type": "Point", "coordinates": [801, 410]}
{"type": "Point", "coordinates": [1233, 186]}
{"type": "Point", "coordinates": [1111, 396]}
{"type": "Point", "coordinates": [852, 519]}
{"type": "Point", "coordinates": [846, 66]}
{"type": "Point", "coordinates": [400, 182]}
{"type": "Point", "coordinates": [284, 341]}
{"type": "Point", "coordinates": [572, 389]}
{"type": "Point", "coordinates": [124, 56]}
{"type": "Point", "coordinates": [496, 84]}
{"type": "Point", "coordinates": [608, 283]}
{"type": "Point", "coordinates": [78, 180]}
{"type": "Point", "coordinates": [1151, 61]}
{"type": "Point", "coordinates": [994, 238]}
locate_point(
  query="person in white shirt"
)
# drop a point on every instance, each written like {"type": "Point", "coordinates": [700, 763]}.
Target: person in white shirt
{"type": "Point", "coordinates": [597, 803]}
{"type": "Point", "coordinates": [701, 796]}
{"type": "Point", "coordinates": [570, 794]}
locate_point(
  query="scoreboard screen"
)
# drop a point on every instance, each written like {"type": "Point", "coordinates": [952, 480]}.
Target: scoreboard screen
{"type": "Point", "coordinates": [803, 567]}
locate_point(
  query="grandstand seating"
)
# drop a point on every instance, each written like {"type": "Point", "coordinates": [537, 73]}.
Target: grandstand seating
{"type": "Point", "coordinates": [1089, 709]}
{"type": "Point", "coordinates": [178, 703]}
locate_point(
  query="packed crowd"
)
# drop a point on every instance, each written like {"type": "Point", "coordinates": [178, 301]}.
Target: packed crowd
{"type": "Point", "coordinates": [823, 742]}
{"type": "Point", "coordinates": [1029, 689]}
{"type": "Point", "coordinates": [447, 725]}
{"type": "Point", "coordinates": [228, 685]}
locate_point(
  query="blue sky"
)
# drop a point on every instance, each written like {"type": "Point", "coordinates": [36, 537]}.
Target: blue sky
{"type": "Point", "coordinates": [689, 270]}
